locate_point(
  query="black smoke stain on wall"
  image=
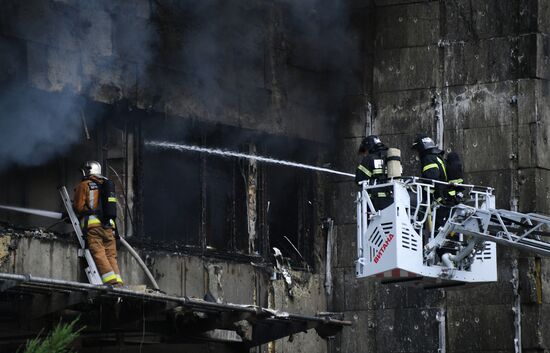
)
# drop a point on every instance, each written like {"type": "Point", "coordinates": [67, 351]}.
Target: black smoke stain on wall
{"type": "Point", "coordinates": [224, 48]}
{"type": "Point", "coordinates": [54, 56]}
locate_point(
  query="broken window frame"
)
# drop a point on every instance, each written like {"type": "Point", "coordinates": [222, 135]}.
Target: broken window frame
{"type": "Point", "coordinates": [260, 243]}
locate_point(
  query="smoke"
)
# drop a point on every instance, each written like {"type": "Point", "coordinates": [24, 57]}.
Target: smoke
{"type": "Point", "coordinates": [323, 30]}
{"type": "Point", "coordinates": [36, 126]}
{"type": "Point", "coordinates": [218, 45]}
{"type": "Point", "coordinates": [231, 54]}
{"type": "Point", "coordinates": [231, 50]}
{"type": "Point", "coordinates": [65, 54]}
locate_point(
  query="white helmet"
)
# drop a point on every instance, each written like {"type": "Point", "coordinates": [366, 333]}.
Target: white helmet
{"type": "Point", "coordinates": [91, 168]}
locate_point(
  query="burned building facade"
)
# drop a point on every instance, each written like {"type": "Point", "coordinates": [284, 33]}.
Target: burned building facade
{"type": "Point", "coordinates": [301, 81]}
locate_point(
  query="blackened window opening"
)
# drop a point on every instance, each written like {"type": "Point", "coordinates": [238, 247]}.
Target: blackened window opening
{"type": "Point", "coordinates": [224, 202]}
{"type": "Point", "coordinates": [290, 212]}
{"type": "Point", "coordinates": [204, 202]}
{"type": "Point", "coordinates": [171, 188]}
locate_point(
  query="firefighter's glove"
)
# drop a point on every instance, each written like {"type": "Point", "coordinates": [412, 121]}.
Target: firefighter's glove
{"type": "Point", "coordinates": [116, 234]}
{"type": "Point", "coordinates": [459, 197]}
{"type": "Point", "coordinates": [438, 202]}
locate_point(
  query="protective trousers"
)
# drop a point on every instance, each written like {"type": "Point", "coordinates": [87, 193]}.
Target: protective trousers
{"type": "Point", "coordinates": [102, 245]}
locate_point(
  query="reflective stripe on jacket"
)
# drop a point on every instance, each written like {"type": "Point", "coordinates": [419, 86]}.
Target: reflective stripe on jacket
{"type": "Point", "coordinates": [372, 166]}
{"type": "Point", "coordinates": [452, 192]}
{"type": "Point", "coordinates": [87, 202]}
{"type": "Point", "coordinates": [93, 221]}
{"type": "Point", "coordinates": [433, 167]}
{"type": "Point", "coordinates": [435, 163]}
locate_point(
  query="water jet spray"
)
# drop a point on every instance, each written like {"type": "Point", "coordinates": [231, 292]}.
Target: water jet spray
{"type": "Point", "coordinates": [225, 153]}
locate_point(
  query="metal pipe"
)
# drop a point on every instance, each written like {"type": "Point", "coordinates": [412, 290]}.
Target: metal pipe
{"type": "Point", "coordinates": [114, 290]}
{"type": "Point", "coordinates": [466, 251]}
{"type": "Point", "coordinates": [85, 125]}
{"type": "Point", "coordinates": [365, 205]}
{"type": "Point", "coordinates": [188, 302]}
{"type": "Point", "coordinates": [364, 220]}
{"type": "Point", "coordinates": [440, 317]}
{"type": "Point", "coordinates": [328, 261]}
{"type": "Point", "coordinates": [126, 206]}
{"type": "Point", "coordinates": [431, 182]}
{"type": "Point", "coordinates": [359, 225]}
{"type": "Point", "coordinates": [365, 198]}
{"type": "Point", "coordinates": [517, 307]}
{"type": "Point", "coordinates": [50, 281]}
{"type": "Point", "coordinates": [440, 126]}
{"type": "Point", "coordinates": [140, 262]}
{"type": "Point", "coordinates": [33, 211]}
{"type": "Point", "coordinates": [446, 259]}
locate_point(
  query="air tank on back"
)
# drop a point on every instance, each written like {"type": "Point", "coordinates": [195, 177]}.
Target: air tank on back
{"type": "Point", "coordinates": [393, 160]}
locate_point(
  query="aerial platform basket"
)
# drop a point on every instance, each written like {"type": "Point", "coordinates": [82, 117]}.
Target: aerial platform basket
{"type": "Point", "coordinates": [393, 241]}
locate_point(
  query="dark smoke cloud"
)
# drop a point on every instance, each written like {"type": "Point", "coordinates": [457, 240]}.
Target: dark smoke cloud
{"type": "Point", "coordinates": [323, 29]}
{"type": "Point", "coordinates": [219, 45]}
{"type": "Point", "coordinates": [65, 51]}
{"type": "Point", "coordinates": [223, 47]}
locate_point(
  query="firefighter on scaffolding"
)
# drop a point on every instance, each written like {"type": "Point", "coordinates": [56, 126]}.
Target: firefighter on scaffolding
{"type": "Point", "coordinates": [373, 169]}
{"type": "Point", "coordinates": [95, 204]}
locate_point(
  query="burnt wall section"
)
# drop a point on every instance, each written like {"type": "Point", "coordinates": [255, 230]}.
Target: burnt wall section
{"type": "Point", "coordinates": [214, 203]}
{"type": "Point", "coordinates": [472, 74]}
{"type": "Point", "coordinates": [276, 66]}
{"type": "Point", "coordinates": [281, 68]}
{"type": "Point", "coordinates": [43, 254]}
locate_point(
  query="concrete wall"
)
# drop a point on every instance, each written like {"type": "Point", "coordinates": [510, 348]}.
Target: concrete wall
{"type": "Point", "coordinates": [46, 255]}
{"type": "Point", "coordinates": [483, 63]}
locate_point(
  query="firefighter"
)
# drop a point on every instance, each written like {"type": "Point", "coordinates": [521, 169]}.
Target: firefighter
{"type": "Point", "coordinates": [373, 169]}
{"type": "Point", "coordinates": [433, 167]}
{"type": "Point", "coordinates": [455, 174]}
{"type": "Point", "coordinates": [432, 164]}
{"type": "Point", "coordinates": [95, 204]}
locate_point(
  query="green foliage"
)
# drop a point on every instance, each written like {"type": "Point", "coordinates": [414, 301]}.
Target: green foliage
{"type": "Point", "coordinates": [57, 341]}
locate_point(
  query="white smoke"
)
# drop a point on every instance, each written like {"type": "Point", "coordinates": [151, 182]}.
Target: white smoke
{"type": "Point", "coordinates": [36, 126]}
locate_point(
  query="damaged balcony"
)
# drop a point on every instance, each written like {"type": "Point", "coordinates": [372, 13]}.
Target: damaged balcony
{"type": "Point", "coordinates": [115, 317]}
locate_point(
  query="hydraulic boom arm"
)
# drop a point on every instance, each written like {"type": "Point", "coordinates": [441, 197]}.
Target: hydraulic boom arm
{"type": "Point", "coordinates": [518, 230]}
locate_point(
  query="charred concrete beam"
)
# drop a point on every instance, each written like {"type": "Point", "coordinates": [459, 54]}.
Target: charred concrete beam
{"type": "Point", "coordinates": [173, 319]}
{"type": "Point", "coordinates": [5, 285]}
{"type": "Point", "coordinates": [251, 200]}
{"type": "Point", "coordinates": [54, 302]}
